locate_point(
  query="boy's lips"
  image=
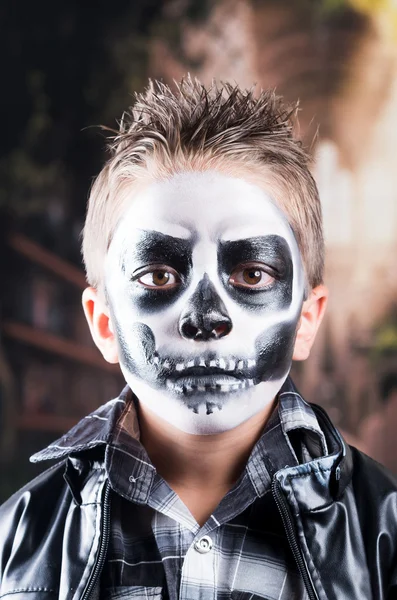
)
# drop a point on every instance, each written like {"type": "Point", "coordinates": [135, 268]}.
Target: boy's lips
{"type": "Point", "coordinates": [198, 380]}
{"type": "Point", "coordinates": [205, 373]}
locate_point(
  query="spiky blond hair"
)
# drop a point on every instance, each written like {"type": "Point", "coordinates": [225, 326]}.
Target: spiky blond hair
{"type": "Point", "coordinates": [193, 127]}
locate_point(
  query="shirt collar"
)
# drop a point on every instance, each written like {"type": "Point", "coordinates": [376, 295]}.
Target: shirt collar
{"type": "Point", "coordinates": [94, 431]}
{"type": "Point", "coordinates": [295, 413]}
{"type": "Point", "coordinates": [128, 466]}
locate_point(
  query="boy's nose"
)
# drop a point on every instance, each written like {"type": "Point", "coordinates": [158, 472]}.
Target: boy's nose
{"type": "Point", "coordinates": [205, 317]}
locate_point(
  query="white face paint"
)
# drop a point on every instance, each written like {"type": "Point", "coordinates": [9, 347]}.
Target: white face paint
{"type": "Point", "coordinates": [205, 286]}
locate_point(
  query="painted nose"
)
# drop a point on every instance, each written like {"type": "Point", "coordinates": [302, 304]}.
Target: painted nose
{"type": "Point", "coordinates": [206, 317]}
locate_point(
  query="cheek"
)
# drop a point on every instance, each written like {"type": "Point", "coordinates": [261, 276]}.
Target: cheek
{"type": "Point", "coordinates": [136, 346]}
{"type": "Point", "coordinates": [274, 349]}
{"type": "Point", "coordinates": [135, 301]}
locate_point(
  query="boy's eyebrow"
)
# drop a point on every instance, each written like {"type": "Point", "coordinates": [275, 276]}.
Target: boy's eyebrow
{"type": "Point", "coordinates": [154, 246]}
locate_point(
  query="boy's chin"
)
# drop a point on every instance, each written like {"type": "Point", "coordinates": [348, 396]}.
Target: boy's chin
{"type": "Point", "coordinates": [204, 413]}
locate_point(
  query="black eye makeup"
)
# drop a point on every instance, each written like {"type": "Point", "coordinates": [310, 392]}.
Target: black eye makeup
{"type": "Point", "coordinates": [157, 267]}
{"type": "Point", "coordinates": [153, 248]}
{"type": "Point", "coordinates": [257, 272]}
{"type": "Point", "coordinates": [272, 251]}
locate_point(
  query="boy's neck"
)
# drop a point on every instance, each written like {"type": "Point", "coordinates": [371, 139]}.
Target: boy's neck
{"type": "Point", "coordinates": [208, 465]}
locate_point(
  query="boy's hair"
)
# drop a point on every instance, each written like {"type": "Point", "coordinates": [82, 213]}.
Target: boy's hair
{"type": "Point", "coordinates": [196, 128]}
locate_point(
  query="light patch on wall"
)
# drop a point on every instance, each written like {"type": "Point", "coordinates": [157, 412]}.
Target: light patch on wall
{"type": "Point", "coordinates": [335, 185]}
{"type": "Point", "coordinates": [378, 193]}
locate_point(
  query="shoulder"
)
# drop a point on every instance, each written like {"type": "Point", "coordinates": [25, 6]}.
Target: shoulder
{"type": "Point", "coordinates": [371, 502]}
{"type": "Point", "coordinates": [62, 503]}
{"type": "Point", "coordinates": [372, 481]}
{"type": "Point", "coordinates": [356, 468]}
{"type": "Point", "coordinates": [76, 452]}
{"type": "Point", "coordinates": [375, 509]}
{"type": "Point", "coordinates": [27, 518]}
{"type": "Point", "coordinates": [45, 486]}
{"type": "Point", "coordinates": [40, 523]}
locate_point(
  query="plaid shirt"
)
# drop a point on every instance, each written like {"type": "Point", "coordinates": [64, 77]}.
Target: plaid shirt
{"type": "Point", "coordinates": [157, 550]}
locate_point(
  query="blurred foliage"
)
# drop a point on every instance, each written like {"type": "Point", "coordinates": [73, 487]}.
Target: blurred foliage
{"type": "Point", "coordinates": [375, 6]}
{"type": "Point", "coordinates": [385, 336]}
{"type": "Point", "coordinates": [69, 66]}
{"type": "Point", "coordinates": [332, 5]}
{"type": "Point", "coordinates": [25, 181]}
{"type": "Point", "coordinates": [384, 12]}
{"type": "Point", "coordinates": [370, 7]}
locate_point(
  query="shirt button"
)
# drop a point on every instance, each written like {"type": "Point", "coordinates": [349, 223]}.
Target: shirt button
{"type": "Point", "coordinates": [203, 545]}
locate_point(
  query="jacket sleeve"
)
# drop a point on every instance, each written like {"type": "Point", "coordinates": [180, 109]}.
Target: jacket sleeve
{"type": "Point", "coordinates": [392, 587]}
{"type": "Point", "coordinates": [31, 530]}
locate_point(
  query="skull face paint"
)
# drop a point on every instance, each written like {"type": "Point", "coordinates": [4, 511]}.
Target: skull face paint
{"type": "Point", "coordinates": [205, 286]}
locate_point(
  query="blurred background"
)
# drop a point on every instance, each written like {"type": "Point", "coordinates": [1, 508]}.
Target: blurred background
{"type": "Point", "coordinates": [67, 67]}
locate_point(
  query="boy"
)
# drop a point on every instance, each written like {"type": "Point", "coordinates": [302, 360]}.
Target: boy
{"type": "Point", "coordinates": [210, 476]}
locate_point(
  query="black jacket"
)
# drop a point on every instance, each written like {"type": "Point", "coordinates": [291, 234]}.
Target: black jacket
{"type": "Point", "coordinates": [339, 512]}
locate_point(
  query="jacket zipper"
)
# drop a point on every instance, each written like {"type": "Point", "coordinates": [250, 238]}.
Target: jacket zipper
{"type": "Point", "coordinates": [291, 536]}
{"type": "Point", "coordinates": [105, 531]}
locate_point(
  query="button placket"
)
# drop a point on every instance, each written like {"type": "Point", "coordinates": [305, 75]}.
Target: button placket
{"type": "Point", "coordinates": [200, 565]}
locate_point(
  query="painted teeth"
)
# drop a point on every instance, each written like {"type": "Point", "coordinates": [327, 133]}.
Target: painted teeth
{"type": "Point", "coordinates": [190, 363]}
{"type": "Point", "coordinates": [222, 363]}
{"type": "Point", "coordinates": [179, 367]}
{"type": "Point", "coordinates": [166, 364]}
{"type": "Point", "coordinates": [250, 362]}
{"type": "Point", "coordinates": [240, 364]}
{"type": "Point", "coordinates": [223, 388]}
{"type": "Point", "coordinates": [232, 364]}
{"type": "Point", "coordinates": [202, 362]}
{"type": "Point", "coordinates": [156, 360]}
{"type": "Point", "coordinates": [213, 363]}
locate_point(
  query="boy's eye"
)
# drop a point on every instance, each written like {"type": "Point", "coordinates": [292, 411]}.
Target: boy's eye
{"type": "Point", "coordinates": [247, 276]}
{"type": "Point", "coordinates": [159, 278]}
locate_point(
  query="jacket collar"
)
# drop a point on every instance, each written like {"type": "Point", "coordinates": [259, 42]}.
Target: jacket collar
{"type": "Point", "coordinates": [91, 432]}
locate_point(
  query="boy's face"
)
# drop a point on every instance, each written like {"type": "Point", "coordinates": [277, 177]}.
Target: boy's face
{"type": "Point", "coordinates": [205, 286]}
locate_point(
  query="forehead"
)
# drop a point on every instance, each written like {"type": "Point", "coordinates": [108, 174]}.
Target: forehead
{"type": "Point", "coordinates": [205, 204]}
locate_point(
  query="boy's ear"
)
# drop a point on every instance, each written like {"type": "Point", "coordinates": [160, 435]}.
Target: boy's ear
{"type": "Point", "coordinates": [313, 310]}
{"type": "Point", "coordinates": [98, 318]}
